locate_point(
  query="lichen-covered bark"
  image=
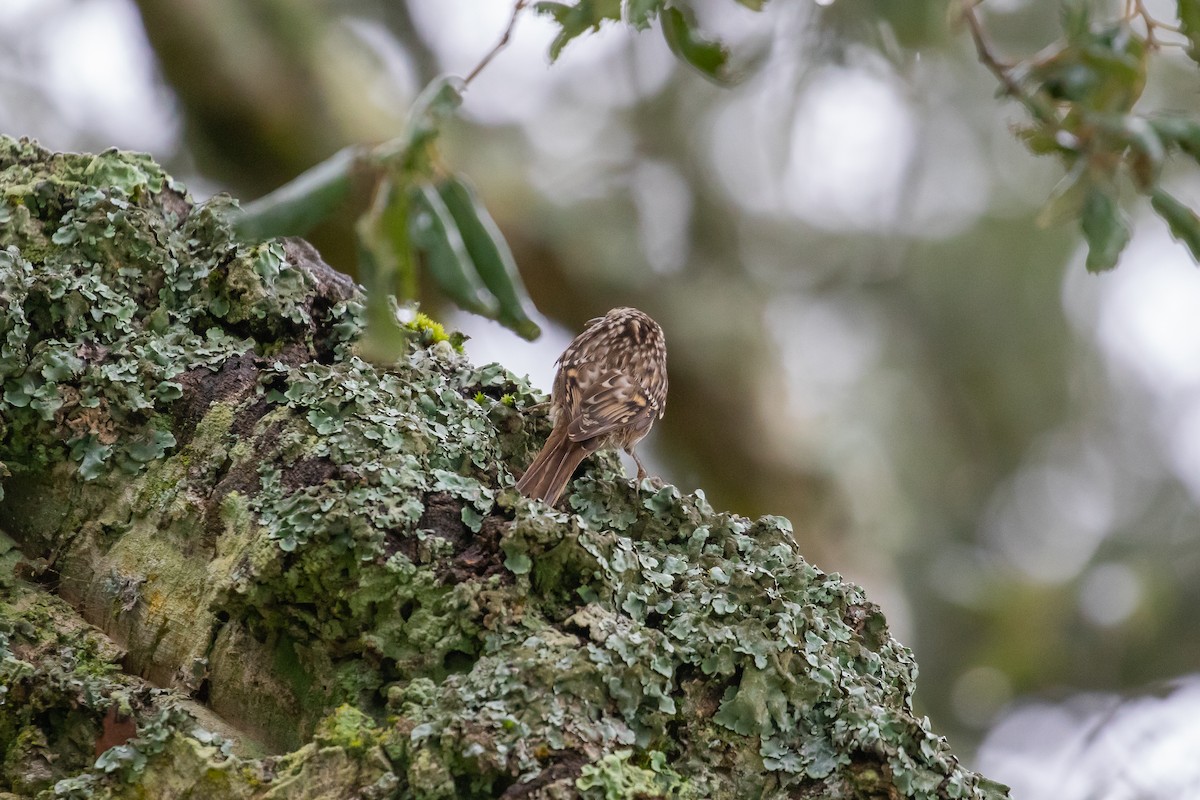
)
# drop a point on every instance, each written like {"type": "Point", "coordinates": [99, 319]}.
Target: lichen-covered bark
{"type": "Point", "coordinates": [314, 578]}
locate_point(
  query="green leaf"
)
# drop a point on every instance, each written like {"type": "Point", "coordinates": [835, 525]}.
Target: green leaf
{"type": "Point", "coordinates": [1100, 71]}
{"type": "Point", "coordinates": [435, 233]}
{"type": "Point", "coordinates": [709, 57]}
{"type": "Point", "coordinates": [294, 208]}
{"type": "Point", "coordinates": [1147, 152]}
{"type": "Point", "coordinates": [1183, 222]}
{"type": "Point", "coordinates": [385, 263]}
{"type": "Point", "coordinates": [1067, 199]}
{"type": "Point", "coordinates": [576, 20]}
{"type": "Point", "coordinates": [1189, 24]}
{"type": "Point", "coordinates": [1135, 133]}
{"type": "Point", "coordinates": [639, 13]}
{"type": "Point", "coordinates": [1104, 229]}
{"type": "Point", "coordinates": [492, 259]}
{"type": "Point", "coordinates": [1075, 16]}
{"type": "Point", "coordinates": [1177, 131]}
{"type": "Point", "coordinates": [438, 102]}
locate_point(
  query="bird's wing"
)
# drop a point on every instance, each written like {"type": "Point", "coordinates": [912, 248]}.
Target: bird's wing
{"type": "Point", "coordinates": [612, 402]}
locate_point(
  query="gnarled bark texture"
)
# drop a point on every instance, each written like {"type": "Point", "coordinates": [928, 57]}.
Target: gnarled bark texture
{"type": "Point", "coordinates": [237, 561]}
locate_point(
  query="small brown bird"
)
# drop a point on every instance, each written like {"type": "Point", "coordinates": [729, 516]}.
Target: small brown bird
{"type": "Point", "coordinates": [610, 386]}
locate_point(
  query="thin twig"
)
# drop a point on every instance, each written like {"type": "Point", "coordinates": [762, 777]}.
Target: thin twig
{"type": "Point", "coordinates": [500, 45]}
{"type": "Point", "coordinates": [987, 57]}
{"type": "Point", "coordinates": [984, 50]}
{"type": "Point", "coordinates": [1137, 8]}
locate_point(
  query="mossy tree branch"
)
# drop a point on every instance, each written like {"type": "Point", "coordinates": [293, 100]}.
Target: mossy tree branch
{"type": "Point", "coordinates": [326, 560]}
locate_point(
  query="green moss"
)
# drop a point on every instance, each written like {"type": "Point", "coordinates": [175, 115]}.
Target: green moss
{"type": "Point", "coordinates": [429, 332]}
{"type": "Point", "coordinates": [58, 676]}
{"type": "Point", "coordinates": [348, 728]}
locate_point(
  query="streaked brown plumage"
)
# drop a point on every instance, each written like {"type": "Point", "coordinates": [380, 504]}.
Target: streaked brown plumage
{"type": "Point", "coordinates": [610, 386]}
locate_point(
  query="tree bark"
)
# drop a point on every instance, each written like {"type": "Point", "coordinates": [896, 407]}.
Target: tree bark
{"type": "Point", "coordinates": [241, 562]}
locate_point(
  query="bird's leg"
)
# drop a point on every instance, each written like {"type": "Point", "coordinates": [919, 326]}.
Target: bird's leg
{"type": "Point", "coordinates": [641, 470]}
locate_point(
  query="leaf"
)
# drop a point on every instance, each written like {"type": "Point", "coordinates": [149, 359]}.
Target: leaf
{"type": "Point", "coordinates": [1189, 25]}
{"type": "Point", "coordinates": [1075, 16]}
{"type": "Point", "coordinates": [709, 57]}
{"type": "Point", "coordinates": [1104, 229]}
{"type": "Point", "coordinates": [1103, 71]}
{"type": "Point", "coordinates": [1183, 222]}
{"type": "Point", "coordinates": [385, 262]}
{"type": "Point", "coordinates": [438, 102]}
{"type": "Point", "coordinates": [1178, 131]}
{"type": "Point", "coordinates": [1044, 140]}
{"type": "Point", "coordinates": [435, 233]}
{"type": "Point", "coordinates": [1135, 134]}
{"type": "Point", "coordinates": [294, 208]}
{"type": "Point", "coordinates": [1146, 158]}
{"type": "Point", "coordinates": [639, 13]}
{"type": "Point", "coordinates": [492, 259]}
{"type": "Point", "coordinates": [1067, 199]}
{"type": "Point", "coordinates": [575, 20]}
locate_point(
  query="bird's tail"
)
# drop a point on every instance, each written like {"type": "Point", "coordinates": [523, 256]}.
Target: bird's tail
{"type": "Point", "coordinates": [550, 471]}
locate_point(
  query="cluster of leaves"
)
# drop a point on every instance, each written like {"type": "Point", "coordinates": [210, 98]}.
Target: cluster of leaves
{"type": "Point", "coordinates": [421, 212]}
{"type": "Point", "coordinates": [1081, 95]}
{"type": "Point", "coordinates": [417, 209]}
{"type": "Point", "coordinates": [710, 58]}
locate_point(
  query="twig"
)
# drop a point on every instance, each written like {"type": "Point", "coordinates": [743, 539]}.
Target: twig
{"type": "Point", "coordinates": [1138, 8]}
{"type": "Point", "coordinates": [500, 45]}
{"type": "Point", "coordinates": [987, 57]}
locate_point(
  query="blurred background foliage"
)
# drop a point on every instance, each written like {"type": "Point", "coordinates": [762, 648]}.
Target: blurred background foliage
{"type": "Point", "coordinates": [878, 327]}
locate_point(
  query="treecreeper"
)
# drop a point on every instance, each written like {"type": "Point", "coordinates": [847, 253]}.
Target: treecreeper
{"type": "Point", "coordinates": [610, 386]}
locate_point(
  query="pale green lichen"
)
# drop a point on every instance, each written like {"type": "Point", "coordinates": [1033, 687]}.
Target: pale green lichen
{"type": "Point", "coordinates": [616, 777]}
{"type": "Point", "coordinates": [105, 303]}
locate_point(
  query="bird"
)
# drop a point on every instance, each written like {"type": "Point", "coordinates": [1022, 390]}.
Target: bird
{"type": "Point", "coordinates": [609, 387]}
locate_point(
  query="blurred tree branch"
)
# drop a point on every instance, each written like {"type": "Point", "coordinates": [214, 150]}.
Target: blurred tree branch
{"type": "Point", "coordinates": [1081, 92]}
